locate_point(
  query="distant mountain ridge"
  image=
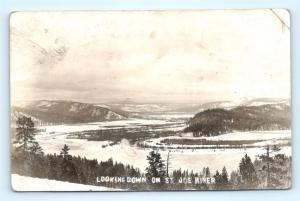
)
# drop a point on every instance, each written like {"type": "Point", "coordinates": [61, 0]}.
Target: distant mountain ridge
{"type": "Point", "coordinates": [57, 112]}
{"type": "Point", "coordinates": [232, 104]}
{"type": "Point", "coordinates": [243, 118]}
{"type": "Point", "coordinates": [136, 109]}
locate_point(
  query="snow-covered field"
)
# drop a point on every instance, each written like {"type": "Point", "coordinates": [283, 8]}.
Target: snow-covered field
{"type": "Point", "coordinates": [129, 123]}
{"type": "Point", "coordinates": [266, 138]}
{"type": "Point", "coordinates": [53, 139]}
{"type": "Point", "coordinates": [24, 183]}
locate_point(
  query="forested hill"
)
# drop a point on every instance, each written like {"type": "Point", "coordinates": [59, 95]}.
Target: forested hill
{"type": "Point", "coordinates": [57, 112]}
{"type": "Point", "coordinates": [243, 118]}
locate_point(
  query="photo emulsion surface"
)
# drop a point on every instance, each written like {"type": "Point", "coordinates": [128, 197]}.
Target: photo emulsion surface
{"type": "Point", "coordinates": [150, 100]}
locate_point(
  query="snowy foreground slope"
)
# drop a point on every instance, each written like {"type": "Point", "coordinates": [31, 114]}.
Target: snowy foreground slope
{"type": "Point", "coordinates": [24, 183]}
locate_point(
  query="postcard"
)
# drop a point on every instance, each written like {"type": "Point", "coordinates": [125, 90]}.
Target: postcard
{"type": "Point", "coordinates": [150, 100]}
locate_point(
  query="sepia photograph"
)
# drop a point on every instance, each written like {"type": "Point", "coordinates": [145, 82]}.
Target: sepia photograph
{"type": "Point", "coordinates": [162, 100]}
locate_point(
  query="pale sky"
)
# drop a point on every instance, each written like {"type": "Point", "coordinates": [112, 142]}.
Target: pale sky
{"type": "Point", "coordinates": [151, 56]}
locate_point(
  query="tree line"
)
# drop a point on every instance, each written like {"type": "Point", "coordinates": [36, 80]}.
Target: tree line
{"type": "Point", "coordinates": [28, 159]}
{"type": "Point", "coordinates": [212, 122]}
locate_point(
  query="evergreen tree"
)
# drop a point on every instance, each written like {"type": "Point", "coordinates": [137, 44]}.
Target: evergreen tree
{"type": "Point", "coordinates": [224, 175]}
{"type": "Point", "coordinates": [247, 170]}
{"type": "Point", "coordinates": [207, 172]}
{"type": "Point", "coordinates": [65, 152]}
{"type": "Point", "coordinates": [218, 177]}
{"type": "Point", "coordinates": [268, 160]}
{"type": "Point", "coordinates": [68, 171]}
{"type": "Point", "coordinates": [156, 166]}
{"type": "Point", "coordinates": [36, 148]}
{"type": "Point", "coordinates": [24, 133]}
